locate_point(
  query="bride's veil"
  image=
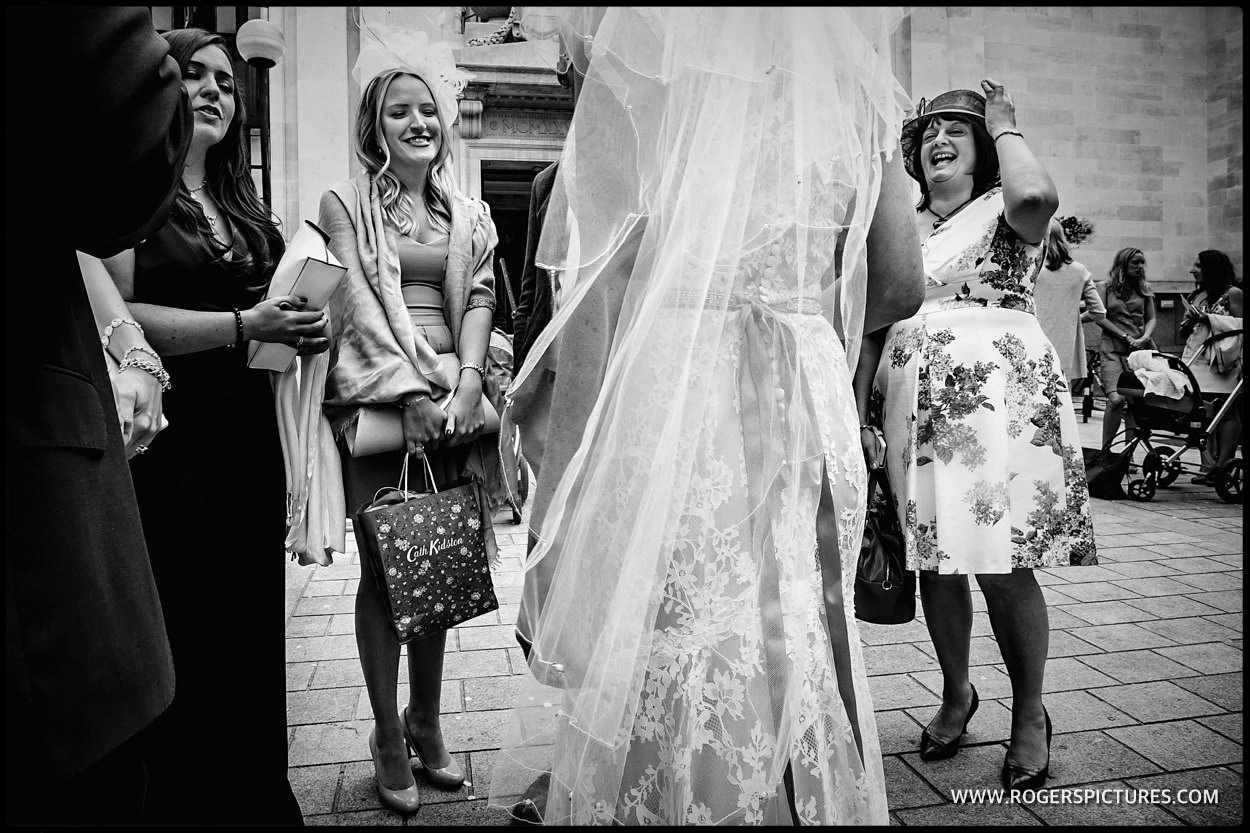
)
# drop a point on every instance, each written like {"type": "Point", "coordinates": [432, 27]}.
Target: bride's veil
{"type": "Point", "coordinates": [708, 143]}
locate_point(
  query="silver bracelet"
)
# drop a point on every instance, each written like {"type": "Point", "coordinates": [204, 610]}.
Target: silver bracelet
{"type": "Point", "coordinates": [139, 348]}
{"type": "Point", "coordinates": [481, 371]}
{"type": "Point", "coordinates": [147, 366]}
{"type": "Point", "coordinates": [114, 324]}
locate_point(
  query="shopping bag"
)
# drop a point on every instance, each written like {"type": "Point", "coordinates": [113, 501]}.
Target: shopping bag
{"type": "Point", "coordinates": [428, 551]}
{"type": "Point", "coordinates": [885, 590]}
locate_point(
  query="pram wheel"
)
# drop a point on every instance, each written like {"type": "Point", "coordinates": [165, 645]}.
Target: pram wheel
{"type": "Point", "coordinates": [1171, 471]}
{"type": "Point", "coordinates": [1142, 489]}
{"type": "Point", "coordinates": [1227, 479]}
{"type": "Point", "coordinates": [1163, 474]}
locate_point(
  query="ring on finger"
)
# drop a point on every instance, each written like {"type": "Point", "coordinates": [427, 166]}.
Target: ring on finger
{"type": "Point", "coordinates": [299, 343]}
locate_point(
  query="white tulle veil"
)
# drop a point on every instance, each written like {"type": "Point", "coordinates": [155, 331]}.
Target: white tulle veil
{"type": "Point", "coordinates": [708, 143]}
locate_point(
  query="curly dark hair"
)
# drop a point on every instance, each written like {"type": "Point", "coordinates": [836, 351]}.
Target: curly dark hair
{"type": "Point", "coordinates": [1217, 272]}
{"type": "Point", "coordinates": [986, 175]}
{"type": "Point", "coordinates": [228, 179]}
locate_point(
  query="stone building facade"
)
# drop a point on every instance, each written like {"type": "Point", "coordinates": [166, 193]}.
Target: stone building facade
{"type": "Point", "coordinates": [1135, 110]}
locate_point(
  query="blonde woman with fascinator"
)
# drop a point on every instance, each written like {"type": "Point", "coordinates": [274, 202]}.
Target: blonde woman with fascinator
{"type": "Point", "coordinates": [419, 284]}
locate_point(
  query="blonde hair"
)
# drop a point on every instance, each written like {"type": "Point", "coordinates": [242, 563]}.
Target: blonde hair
{"type": "Point", "coordinates": [1058, 250]}
{"type": "Point", "coordinates": [374, 155]}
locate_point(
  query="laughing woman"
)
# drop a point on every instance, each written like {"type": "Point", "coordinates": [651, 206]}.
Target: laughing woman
{"type": "Point", "coordinates": [981, 439]}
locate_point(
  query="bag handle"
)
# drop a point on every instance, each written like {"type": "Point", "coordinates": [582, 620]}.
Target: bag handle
{"type": "Point", "coordinates": [402, 486]}
{"type": "Point", "coordinates": [403, 475]}
{"type": "Point", "coordinates": [877, 476]}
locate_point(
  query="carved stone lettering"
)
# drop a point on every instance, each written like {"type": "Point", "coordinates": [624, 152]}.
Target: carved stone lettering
{"type": "Point", "coordinates": [524, 126]}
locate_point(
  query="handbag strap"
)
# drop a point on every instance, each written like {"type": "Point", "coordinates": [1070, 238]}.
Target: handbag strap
{"type": "Point", "coordinates": [877, 476]}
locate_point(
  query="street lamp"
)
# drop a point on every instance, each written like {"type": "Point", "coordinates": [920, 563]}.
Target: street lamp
{"type": "Point", "coordinates": [261, 44]}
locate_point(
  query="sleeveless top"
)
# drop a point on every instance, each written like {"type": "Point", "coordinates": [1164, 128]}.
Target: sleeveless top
{"type": "Point", "coordinates": [421, 270]}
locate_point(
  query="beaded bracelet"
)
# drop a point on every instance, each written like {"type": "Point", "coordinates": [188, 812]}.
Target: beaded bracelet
{"type": "Point", "coordinates": [139, 348]}
{"type": "Point", "coordinates": [1003, 133]}
{"type": "Point", "coordinates": [481, 371]}
{"type": "Point", "coordinates": [147, 366]}
{"type": "Point", "coordinates": [114, 324]}
{"type": "Point", "coordinates": [238, 329]}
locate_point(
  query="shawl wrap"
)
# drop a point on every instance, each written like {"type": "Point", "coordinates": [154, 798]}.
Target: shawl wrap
{"type": "Point", "coordinates": [378, 359]}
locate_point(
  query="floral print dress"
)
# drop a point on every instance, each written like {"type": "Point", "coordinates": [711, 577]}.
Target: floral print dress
{"type": "Point", "coordinates": [982, 449]}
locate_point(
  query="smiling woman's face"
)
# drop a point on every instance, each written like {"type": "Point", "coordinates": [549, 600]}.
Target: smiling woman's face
{"type": "Point", "coordinates": [209, 80]}
{"type": "Point", "coordinates": [410, 122]}
{"type": "Point", "coordinates": [947, 150]}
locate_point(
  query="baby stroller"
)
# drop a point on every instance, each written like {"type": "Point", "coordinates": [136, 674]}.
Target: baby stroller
{"type": "Point", "coordinates": [1185, 421]}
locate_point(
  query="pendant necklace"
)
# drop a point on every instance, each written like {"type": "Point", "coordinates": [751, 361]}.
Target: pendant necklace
{"type": "Point", "coordinates": [942, 218]}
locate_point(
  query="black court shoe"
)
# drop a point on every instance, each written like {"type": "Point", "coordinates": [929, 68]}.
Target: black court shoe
{"type": "Point", "coordinates": [935, 750]}
{"type": "Point", "coordinates": [1016, 777]}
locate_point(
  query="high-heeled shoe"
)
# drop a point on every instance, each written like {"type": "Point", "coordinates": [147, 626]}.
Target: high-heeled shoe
{"type": "Point", "coordinates": [404, 801]}
{"type": "Point", "coordinates": [932, 749]}
{"type": "Point", "coordinates": [445, 778]}
{"type": "Point", "coordinates": [1016, 777]}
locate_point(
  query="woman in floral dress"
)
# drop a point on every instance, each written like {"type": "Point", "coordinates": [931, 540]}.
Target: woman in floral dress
{"type": "Point", "coordinates": [981, 439]}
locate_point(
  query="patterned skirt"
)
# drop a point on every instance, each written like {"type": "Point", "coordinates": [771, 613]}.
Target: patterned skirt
{"type": "Point", "coordinates": [982, 446]}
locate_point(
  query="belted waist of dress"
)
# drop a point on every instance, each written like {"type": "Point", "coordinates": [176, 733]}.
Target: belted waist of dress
{"type": "Point", "coordinates": [422, 295]}
{"type": "Point", "coordinates": [792, 305]}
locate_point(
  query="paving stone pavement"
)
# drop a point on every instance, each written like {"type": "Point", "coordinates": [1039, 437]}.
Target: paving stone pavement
{"type": "Point", "coordinates": [1144, 684]}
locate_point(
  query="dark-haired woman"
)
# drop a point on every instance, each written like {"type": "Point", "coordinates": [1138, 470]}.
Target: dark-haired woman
{"type": "Point", "coordinates": [212, 491]}
{"type": "Point", "coordinates": [982, 447]}
{"type": "Point", "coordinates": [1214, 307]}
{"type": "Point", "coordinates": [1128, 326]}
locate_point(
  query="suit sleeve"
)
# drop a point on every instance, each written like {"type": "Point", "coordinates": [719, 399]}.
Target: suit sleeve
{"type": "Point", "coordinates": [109, 122]}
{"type": "Point", "coordinates": [529, 282]}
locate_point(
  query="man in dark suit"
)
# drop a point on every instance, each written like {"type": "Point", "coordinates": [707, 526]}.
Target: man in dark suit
{"type": "Point", "coordinates": [534, 306]}
{"type": "Point", "coordinates": [94, 156]}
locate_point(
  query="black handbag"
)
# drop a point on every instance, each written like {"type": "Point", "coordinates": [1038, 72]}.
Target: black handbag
{"type": "Point", "coordinates": [885, 590]}
{"type": "Point", "coordinates": [1105, 470]}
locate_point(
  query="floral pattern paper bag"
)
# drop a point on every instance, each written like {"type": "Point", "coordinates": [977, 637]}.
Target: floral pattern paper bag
{"type": "Point", "coordinates": [429, 550]}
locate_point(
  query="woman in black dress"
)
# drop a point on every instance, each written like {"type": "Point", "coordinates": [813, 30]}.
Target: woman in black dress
{"type": "Point", "coordinates": [212, 490]}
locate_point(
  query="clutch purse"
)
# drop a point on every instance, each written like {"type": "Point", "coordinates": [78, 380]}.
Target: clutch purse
{"type": "Point", "coordinates": [428, 552]}
{"type": "Point", "coordinates": [885, 590]}
{"type": "Point", "coordinates": [379, 428]}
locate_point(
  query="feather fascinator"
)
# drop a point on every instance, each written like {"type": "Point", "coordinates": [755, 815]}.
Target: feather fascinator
{"type": "Point", "coordinates": [384, 48]}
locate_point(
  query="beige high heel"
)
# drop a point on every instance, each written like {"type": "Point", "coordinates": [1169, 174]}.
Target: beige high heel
{"type": "Point", "coordinates": [445, 778]}
{"type": "Point", "coordinates": [405, 801]}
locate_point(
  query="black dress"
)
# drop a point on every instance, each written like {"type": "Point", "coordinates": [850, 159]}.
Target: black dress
{"type": "Point", "coordinates": [212, 495]}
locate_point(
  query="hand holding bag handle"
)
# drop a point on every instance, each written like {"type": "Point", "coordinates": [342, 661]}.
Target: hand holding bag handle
{"type": "Point", "coordinates": [885, 590]}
